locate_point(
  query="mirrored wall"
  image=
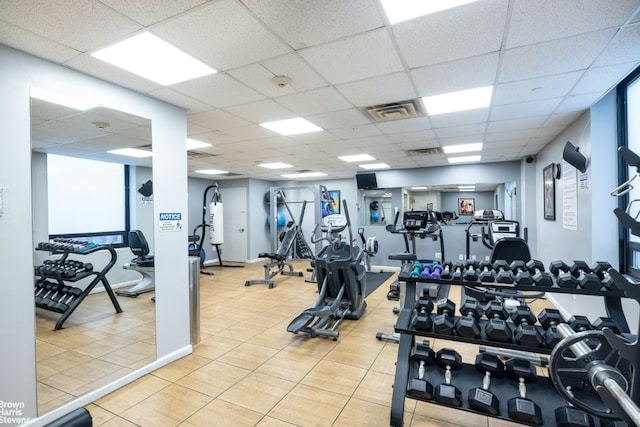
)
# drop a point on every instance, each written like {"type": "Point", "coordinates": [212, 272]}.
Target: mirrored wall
{"type": "Point", "coordinates": [106, 336]}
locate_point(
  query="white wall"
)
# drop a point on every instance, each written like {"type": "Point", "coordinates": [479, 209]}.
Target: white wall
{"type": "Point", "coordinates": [18, 72]}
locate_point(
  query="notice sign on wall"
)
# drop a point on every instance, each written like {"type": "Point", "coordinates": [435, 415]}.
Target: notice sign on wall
{"type": "Point", "coordinates": [170, 221]}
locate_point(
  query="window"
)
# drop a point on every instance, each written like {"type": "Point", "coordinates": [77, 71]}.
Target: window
{"type": "Point", "coordinates": [87, 199]}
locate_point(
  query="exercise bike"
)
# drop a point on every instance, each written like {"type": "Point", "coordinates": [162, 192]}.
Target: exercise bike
{"type": "Point", "coordinates": [341, 278]}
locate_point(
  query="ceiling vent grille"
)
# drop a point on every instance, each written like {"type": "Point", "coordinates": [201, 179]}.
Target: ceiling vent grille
{"type": "Point", "coordinates": [395, 111]}
{"type": "Point", "coordinates": [425, 151]}
{"type": "Point", "coordinates": [198, 154]}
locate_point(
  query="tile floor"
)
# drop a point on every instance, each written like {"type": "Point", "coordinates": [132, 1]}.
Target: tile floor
{"type": "Point", "coordinates": [246, 370]}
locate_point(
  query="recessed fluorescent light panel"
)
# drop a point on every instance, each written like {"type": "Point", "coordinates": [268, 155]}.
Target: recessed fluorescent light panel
{"type": "Point", "coordinates": [57, 98]}
{"type": "Point", "coordinates": [463, 100]}
{"type": "Point", "coordinates": [192, 144]}
{"type": "Point", "coordinates": [212, 172]}
{"type": "Point", "coordinates": [131, 152]}
{"type": "Point", "coordinates": [419, 188]}
{"type": "Point", "coordinates": [466, 187]}
{"type": "Point", "coordinates": [375, 166]}
{"type": "Point", "coordinates": [357, 158]}
{"type": "Point", "coordinates": [291, 126]}
{"type": "Point", "coordinates": [462, 148]}
{"type": "Point", "coordinates": [403, 10]}
{"type": "Point", "coordinates": [152, 58]}
{"type": "Point", "coordinates": [304, 175]}
{"type": "Point", "coordinates": [275, 165]}
{"type": "Point", "coordinates": [464, 159]}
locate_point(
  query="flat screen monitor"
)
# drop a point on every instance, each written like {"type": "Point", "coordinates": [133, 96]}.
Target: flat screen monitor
{"type": "Point", "coordinates": [366, 181]}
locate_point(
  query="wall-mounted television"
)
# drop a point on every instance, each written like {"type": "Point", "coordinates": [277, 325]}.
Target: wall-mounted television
{"type": "Point", "coordinates": [366, 181]}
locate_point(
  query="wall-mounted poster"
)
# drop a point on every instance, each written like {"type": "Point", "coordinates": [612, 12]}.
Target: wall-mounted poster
{"type": "Point", "coordinates": [466, 206]}
{"type": "Point", "coordinates": [331, 207]}
{"type": "Point", "coordinates": [549, 189]}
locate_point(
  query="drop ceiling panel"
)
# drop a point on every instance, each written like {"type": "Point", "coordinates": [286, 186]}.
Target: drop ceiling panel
{"type": "Point", "coordinates": [339, 119]}
{"type": "Point", "coordinates": [460, 118]}
{"type": "Point", "coordinates": [623, 48]}
{"type": "Point", "coordinates": [467, 130]}
{"type": "Point", "coordinates": [514, 124]}
{"type": "Point", "coordinates": [602, 78]}
{"type": "Point", "coordinates": [315, 101]}
{"type": "Point", "coordinates": [404, 126]}
{"type": "Point", "coordinates": [261, 111]}
{"type": "Point", "coordinates": [533, 22]}
{"type": "Point", "coordinates": [456, 75]}
{"type": "Point", "coordinates": [524, 109]}
{"type": "Point", "coordinates": [238, 38]}
{"type": "Point", "coordinates": [26, 41]}
{"type": "Point", "coordinates": [356, 131]}
{"type": "Point", "coordinates": [314, 137]}
{"type": "Point", "coordinates": [359, 57]}
{"type": "Point", "coordinates": [553, 57]}
{"type": "Point", "coordinates": [176, 98]}
{"type": "Point", "coordinates": [378, 90]}
{"type": "Point", "coordinates": [534, 89]}
{"type": "Point", "coordinates": [421, 139]}
{"type": "Point", "coordinates": [218, 90]}
{"type": "Point", "coordinates": [578, 102]}
{"type": "Point", "coordinates": [305, 23]}
{"type": "Point", "coordinates": [465, 31]}
{"type": "Point", "coordinates": [64, 20]}
{"type": "Point", "coordinates": [217, 119]}
{"type": "Point", "coordinates": [148, 12]}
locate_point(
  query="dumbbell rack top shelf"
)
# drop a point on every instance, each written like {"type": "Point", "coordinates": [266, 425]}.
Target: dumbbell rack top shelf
{"type": "Point", "coordinates": [547, 396]}
{"type": "Point", "coordinates": [100, 276]}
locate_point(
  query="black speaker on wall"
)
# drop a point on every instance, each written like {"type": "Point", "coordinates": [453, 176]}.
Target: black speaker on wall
{"type": "Point", "coordinates": [572, 155]}
{"type": "Point", "coordinates": [146, 189]}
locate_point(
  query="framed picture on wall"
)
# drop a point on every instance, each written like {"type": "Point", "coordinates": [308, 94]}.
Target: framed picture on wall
{"type": "Point", "coordinates": [466, 206]}
{"type": "Point", "coordinates": [331, 207]}
{"type": "Point", "coordinates": [549, 189]}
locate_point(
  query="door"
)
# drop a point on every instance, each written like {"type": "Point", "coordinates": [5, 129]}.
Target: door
{"type": "Point", "coordinates": [234, 203]}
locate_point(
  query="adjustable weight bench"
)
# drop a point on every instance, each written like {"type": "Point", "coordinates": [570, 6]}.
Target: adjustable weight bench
{"type": "Point", "coordinates": [278, 261]}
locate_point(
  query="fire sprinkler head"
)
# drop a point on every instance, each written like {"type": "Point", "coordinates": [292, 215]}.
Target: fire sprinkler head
{"type": "Point", "coordinates": [281, 81]}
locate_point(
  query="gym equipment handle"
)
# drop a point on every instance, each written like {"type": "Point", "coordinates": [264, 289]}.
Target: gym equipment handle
{"type": "Point", "coordinates": [603, 375]}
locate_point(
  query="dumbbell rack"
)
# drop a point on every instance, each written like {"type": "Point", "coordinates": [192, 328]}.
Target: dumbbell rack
{"type": "Point", "coordinates": [542, 392]}
{"type": "Point", "coordinates": [78, 248]}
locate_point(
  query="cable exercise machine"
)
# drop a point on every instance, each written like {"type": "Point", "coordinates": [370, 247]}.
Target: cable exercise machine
{"type": "Point", "coordinates": [341, 280]}
{"type": "Point", "coordinates": [215, 227]}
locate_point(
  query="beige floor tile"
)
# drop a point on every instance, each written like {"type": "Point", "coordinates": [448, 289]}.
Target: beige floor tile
{"type": "Point", "coordinates": [288, 365]}
{"type": "Point", "coordinates": [181, 368]}
{"type": "Point", "coordinates": [248, 356]}
{"type": "Point", "coordinates": [272, 422]}
{"type": "Point", "coordinates": [99, 416]}
{"type": "Point", "coordinates": [214, 347]}
{"type": "Point", "coordinates": [222, 414]}
{"type": "Point", "coordinates": [335, 377]}
{"type": "Point", "coordinates": [214, 378]}
{"type": "Point", "coordinates": [376, 387]}
{"type": "Point", "coordinates": [309, 406]}
{"type": "Point", "coordinates": [132, 394]}
{"type": "Point", "coordinates": [258, 392]}
{"type": "Point", "coordinates": [118, 422]}
{"type": "Point", "coordinates": [359, 412]}
{"type": "Point", "coordinates": [361, 357]}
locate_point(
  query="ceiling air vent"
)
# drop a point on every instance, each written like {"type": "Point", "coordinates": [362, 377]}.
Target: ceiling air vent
{"type": "Point", "coordinates": [425, 151]}
{"type": "Point", "coordinates": [198, 154]}
{"type": "Point", "coordinates": [395, 111]}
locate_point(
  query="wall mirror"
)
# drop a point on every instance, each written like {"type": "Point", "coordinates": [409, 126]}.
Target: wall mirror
{"type": "Point", "coordinates": [95, 345]}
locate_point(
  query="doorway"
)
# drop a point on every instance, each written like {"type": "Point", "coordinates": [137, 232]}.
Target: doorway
{"type": "Point", "coordinates": [235, 224]}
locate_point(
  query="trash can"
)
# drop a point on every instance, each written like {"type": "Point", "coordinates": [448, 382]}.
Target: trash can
{"type": "Point", "coordinates": [194, 298]}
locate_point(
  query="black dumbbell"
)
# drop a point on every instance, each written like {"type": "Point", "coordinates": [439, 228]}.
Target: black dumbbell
{"type": "Point", "coordinates": [504, 274]}
{"type": "Point", "coordinates": [568, 416]}
{"type": "Point", "coordinates": [526, 333]}
{"type": "Point", "coordinates": [443, 322]}
{"type": "Point", "coordinates": [522, 275]}
{"type": "Point", "coordinates": [539, 276]}
{"type": "Point", "coordinates": [497, 329]}
{"type": "Point", "coordinates": [549, 318]}
{"type": "Point", "coordinates": [579, 323]}
{"type": "Point", "coordinates": [564, 278]}
{"type": "Point", "coordinates": [607, 322]}
{"type": "Point", "coordinates": [480, 398]}
{"type": "Point", "coordinates": [446, 393]}
{"type": "Point", "coordinates": [486, 274]}
{"type": "Point", "coordinates": [520, 408]}
{"type": "Point", "coordinates": [422, 318]}
{"type": "Point", "coordinates": [419, 387]}
{"type": "Point", "coordinates": [446, 271]}
{"type": "Point", "coordinates": [71, 294]}
{"type": "Point", "coordinates": [586, 279]}
{"type": "Point", "coordinates": [467, 325]}
{"type": "Point", "coordinates": [601, 269]}
{"type": "Point", "coordinates": [471, 274]}
{"type": "Point", "coordinates": [458, 270]}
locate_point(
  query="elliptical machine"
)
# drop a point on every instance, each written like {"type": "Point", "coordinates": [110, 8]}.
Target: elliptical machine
{"type": "Point", "coordinates": [341, 279]}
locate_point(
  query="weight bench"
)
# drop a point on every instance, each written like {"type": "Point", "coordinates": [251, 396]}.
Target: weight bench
{"type": "Point", "coordinates": [278, 261]}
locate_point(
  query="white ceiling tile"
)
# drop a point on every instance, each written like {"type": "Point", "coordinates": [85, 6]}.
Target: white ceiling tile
{"type": "Point", "coordinates": [513, 135]}
{"type": "Point", "coordinates": [356, 131]}
{"type": "Point", "coordinates": [524, 109]}
{"type": "Point", "coordinates": [250, 132]}
{"type": "Point", "coordinates": [355, 58]}
{"type": "Point", "coordinates": [460, 118]}
{"type": "Point", "coordinates": [602, 78]}
{"type": "Point", "coordinates": [405, 125]}
{"type": "Point", "coordinates": [314, 137]}
{"type": "Point", "coordinates": [217, 119]}
{"type": "Point", "coordinates": [261, 111]}
{"type": "Point", "coordinates": [456, 75]}
{"type": "Point", "coordinates": [378, 90]}
{"type": "Point", "coordinates": [305, 23]}
{"type": "Point", "coordinates": [553, 57]}
{"type": "Point", "coordinates": [623, 48]}
{"type": "Point", "coordinates": [418, 143]}
{"type": "Point", "coordinates": [314, 101]}
{"type": "Point", "coordinates": [339, 119]}
{"type": "Point", "coordinates": [464, 31]}
{"type": "Point", "coordinates": [64, 20]}
{"type": "Point", "coordinates": [42, 47]}
{"type": "Point", "coordinates": [466, 130]}
{"type": "Point", "coordinates": [148, 12]}
{"type": "Point", "coordinates": [564, 119]}
{"type": "Point", "coordinates": [218, 90]}
{"type": "Point", "coordinates": [172, 97]}
{"type": "Point", "coordinates": [578, 102]}
{"type": "Point", "coordinates": [544, 20]}
{"type": "Point", "coordinates": [258, 76]}
{"type": "Point", "coordinates": [534, 89]}
{"type": "Point", "coordinates": [412, 137]}
{"type": "Point", "coordinates": [514, 124]}
{"type": "Point", "coordinates": [238, 38]}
